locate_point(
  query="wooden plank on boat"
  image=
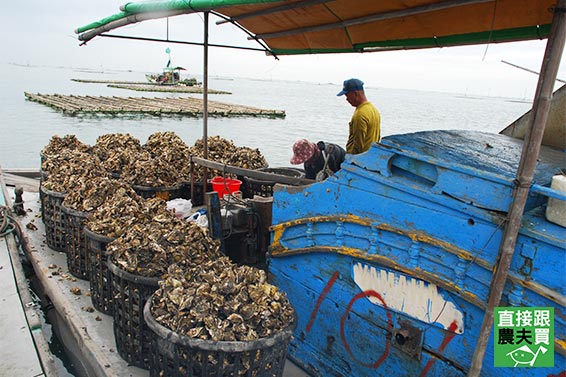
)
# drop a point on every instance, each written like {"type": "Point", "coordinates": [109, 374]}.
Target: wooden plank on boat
{"type": "Point", "coordinates": [166, 88]}
{"type": "Point", "coordinates": [123, 105]}
{"type": "Point", "coordinates": [92, 331]}
{"type": "Point", "coordinates": [28, 184]}
{"type": "Point", "coordinates": [24, 350]}
{"type": "Point", "coordinates": [17, 350]}
{"type": "Point", "coordinates": [23, 172]}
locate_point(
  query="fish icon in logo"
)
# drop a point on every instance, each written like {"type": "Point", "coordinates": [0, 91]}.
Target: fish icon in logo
{"type": "Point", "coordinates": [525, 356]}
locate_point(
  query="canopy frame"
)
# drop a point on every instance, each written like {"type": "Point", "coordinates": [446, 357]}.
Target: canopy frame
{"type": "Point", "coordinates": [375, 17]}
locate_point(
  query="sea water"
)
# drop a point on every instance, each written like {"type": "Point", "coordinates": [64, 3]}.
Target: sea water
{"type": "Point", "coordinates": [313, 111]}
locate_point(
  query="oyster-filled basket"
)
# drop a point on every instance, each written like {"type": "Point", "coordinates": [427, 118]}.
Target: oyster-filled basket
{"type": "Point", "coordinates": [99, 275]}
{"type": "Point", "coordinates": [77, 261]}
{"type": "Point", "coordinates": [53, 218]}
{"type": "Point", "coordinates": [130, 293]}
{"type": "Point", "coordinates": [264, 188]}
{"type": "Point", "coordinates": [165, 193]}
{"type": "Point", "coordinates": [179, 355]}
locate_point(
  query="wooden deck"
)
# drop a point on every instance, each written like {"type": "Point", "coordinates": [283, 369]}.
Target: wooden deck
{"type": "Point", "coordinates": [72, 104]}
{"type": "Point", "coordinates": [24, 350]}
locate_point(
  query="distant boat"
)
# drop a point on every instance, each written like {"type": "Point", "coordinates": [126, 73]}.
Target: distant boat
{"type": "Point", "coordinates": [171, 76]}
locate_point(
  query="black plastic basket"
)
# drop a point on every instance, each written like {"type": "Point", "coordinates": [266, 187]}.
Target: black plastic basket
{"type": "Point", "coordinates": [264, 188]}
{"type": "Point", "coordinates": [100, 277]}
{"type": "Point", "coordinates": [129, 295]}
{"type": "Point", "coordinates": [197, 200]}
{"type": "Point", "coordinates": [53, 218]}
{"type": "Point", "coordinates": [165, 193]}
{"type": "Point", "coordinates": [179, 355]}
{"type": "Point", "coordinates": [43, 175]}
{"type": "Point", "coordinates": [77, 261]}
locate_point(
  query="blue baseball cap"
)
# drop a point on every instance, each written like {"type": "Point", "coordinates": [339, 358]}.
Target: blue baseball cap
{"type": "Point", "coordinates": [351, 85]}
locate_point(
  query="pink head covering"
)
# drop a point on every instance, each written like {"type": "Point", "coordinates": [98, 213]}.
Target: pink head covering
{"type": "Point", "coordinates": [303, 150]}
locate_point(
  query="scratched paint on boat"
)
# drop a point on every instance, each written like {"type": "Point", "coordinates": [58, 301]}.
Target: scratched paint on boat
{"type": "Point", "coordinates": [414, 297]}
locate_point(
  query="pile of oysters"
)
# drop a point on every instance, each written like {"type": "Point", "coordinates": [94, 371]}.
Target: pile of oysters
{"type": "Point", "coordinates": [221, 301]}
{"type": "Point", "coordinates": [226, 152]}
{"type": "Point", "coordinates": [202, 294]}
{"type": "Point", "coordinates": [149, 248]}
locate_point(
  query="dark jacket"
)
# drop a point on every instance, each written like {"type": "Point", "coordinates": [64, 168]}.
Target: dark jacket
{"type": "Point", "coordinates": [335, 155]}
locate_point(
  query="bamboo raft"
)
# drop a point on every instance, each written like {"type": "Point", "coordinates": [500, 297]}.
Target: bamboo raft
{"type": "Point", "coordinates": [71, 104]}
{"type": "Point", "coordinates": [112, 82]}
{"type": "Point", "coordinates": [151, 87]}
{"type": "Point", "coordinates": [165, 88]}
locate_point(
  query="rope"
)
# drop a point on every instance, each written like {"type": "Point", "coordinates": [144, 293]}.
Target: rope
{"type": "Point", "coordinates": [490, 30]}
{"type": "Point", "coordinates": [6, 222]}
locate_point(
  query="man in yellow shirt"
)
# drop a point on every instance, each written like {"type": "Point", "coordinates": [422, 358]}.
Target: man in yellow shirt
{"type": "Point", "coordinates": [365, 123]}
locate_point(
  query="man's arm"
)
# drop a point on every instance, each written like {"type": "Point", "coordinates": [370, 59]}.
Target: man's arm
{"type": "Point", "coordinates": [358, 130]}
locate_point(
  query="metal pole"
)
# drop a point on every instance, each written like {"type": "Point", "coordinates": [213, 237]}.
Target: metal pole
{"type": "Point", "coordinates": [531, 149]}
{"type": "Point", "coordinates": [205, 87]}
{"type": "Point", "coordinates": [205, 103]}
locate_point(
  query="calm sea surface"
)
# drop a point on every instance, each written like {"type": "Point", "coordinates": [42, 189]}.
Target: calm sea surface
{"type": "Point", "coordinates": [313, 112]}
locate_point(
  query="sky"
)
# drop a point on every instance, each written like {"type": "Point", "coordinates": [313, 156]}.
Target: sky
{"type": "Point", "coordinates": [41, 33]}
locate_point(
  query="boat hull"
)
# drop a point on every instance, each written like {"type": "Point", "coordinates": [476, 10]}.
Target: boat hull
{"type": "Point", "coordinates": [389, 262]}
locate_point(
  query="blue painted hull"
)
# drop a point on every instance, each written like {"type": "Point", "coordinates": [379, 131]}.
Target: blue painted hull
{"type": "Point", "coordinates": [389, 262]}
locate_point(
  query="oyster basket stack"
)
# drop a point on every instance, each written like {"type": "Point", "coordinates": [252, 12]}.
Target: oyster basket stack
{"type": "Point", "coordinates": [263, 188]}
{"type": "Point", "coordinates": [53, 218]}
{"type": "Point", "coordinates": [99, 274]}
{"type": "Point", "coordinates": [179, 355]}
{"type": "Point", "coordinates": [76, 242]}
{"type": "Point", "coordinates": [130, 293]}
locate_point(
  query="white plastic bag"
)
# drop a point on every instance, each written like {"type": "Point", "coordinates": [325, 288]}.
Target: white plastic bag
{"type": "Point", "coordinates": [200, 218]}
{"type": "Point", "coordinates": [180, 207]}
{"type": "Point", "coordinates": [202, 221]}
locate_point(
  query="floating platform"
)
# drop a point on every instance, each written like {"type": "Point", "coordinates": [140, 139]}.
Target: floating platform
{"type": "Point", "coordinates": [112, 82]}
{"type": "Point", "coordinates": [144, 86]}
{"type": "Point", "coordinates": [166, 88]}
{"type": "Point", "coordinates": [71, 104]}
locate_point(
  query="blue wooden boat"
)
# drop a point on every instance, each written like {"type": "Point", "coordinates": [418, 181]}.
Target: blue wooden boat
{"type": "Point", "coordinates": [389, 262]}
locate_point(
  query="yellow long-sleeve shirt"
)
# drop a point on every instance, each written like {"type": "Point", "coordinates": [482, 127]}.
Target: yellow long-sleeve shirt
{"type": "Point", "coordinates": [364, 128]}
